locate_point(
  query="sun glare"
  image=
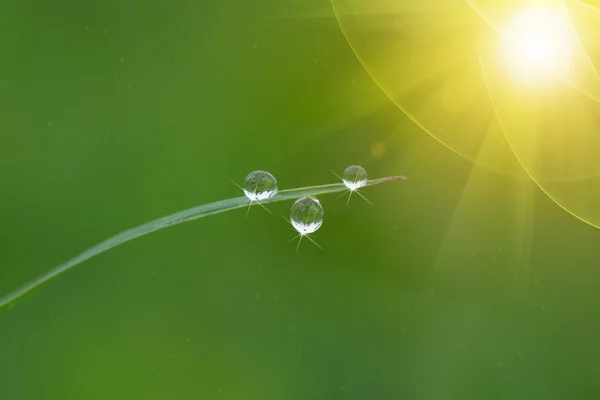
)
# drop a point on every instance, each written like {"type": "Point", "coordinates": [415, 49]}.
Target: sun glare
{"type": "Point", "coordinates": [537, 45]}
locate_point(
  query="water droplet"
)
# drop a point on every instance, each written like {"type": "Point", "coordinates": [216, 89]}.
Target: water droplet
{"type": "Point", "coordinates": [306, 215]}
{"type": "Point", "coordinates": [354, 177]}
{"type": "Point", "coordinates": [260, 185]}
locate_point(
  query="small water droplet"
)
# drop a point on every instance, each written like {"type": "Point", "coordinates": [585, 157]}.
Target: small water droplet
{"type": "Point", "coordinates": [260, 185]}
{"type": "Point", "coordinates": [354, 177]}
{"type": "Point", "coordinates": [306, 215]}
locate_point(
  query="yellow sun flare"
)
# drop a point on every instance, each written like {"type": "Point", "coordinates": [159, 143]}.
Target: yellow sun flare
{"type": "Point", "coordinates": [537, 45]}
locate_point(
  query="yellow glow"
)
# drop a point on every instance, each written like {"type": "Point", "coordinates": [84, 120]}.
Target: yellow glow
{"type": "Point", "coordinates": [537, 45]}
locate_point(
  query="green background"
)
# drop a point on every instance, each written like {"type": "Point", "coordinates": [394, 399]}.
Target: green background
{"type": "Point", "coordinates": [456, 284]}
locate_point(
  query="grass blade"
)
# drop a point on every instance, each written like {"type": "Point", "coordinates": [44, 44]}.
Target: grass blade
{"type": "Point", "coordinates": [170, 220]}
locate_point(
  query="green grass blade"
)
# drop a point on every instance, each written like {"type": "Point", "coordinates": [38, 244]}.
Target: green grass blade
{"type": "Point", "coordinates": [170, 220]}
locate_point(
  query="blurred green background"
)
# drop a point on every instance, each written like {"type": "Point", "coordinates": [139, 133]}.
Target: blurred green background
{"type": "Point", "coordinates": [456, 284]}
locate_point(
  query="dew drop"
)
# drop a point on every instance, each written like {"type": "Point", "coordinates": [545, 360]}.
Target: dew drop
{"type": "Point", "coordinates": [306, 215]}
{"type": "Point", "coordinates": [260, 185]}
{"type": "Point", "coordinates": [354, 177]}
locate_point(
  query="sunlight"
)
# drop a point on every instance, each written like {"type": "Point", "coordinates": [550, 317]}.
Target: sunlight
{"type": "Point", "coordinates": [537, 45]}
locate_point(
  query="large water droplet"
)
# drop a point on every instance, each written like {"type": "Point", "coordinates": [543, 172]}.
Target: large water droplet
{"type": "Point", "coordinates": [260, 185]}
{"type": "Point", "coordinates": [307, 215]}
{"type": "Point", "coordinates": [354, 177]}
